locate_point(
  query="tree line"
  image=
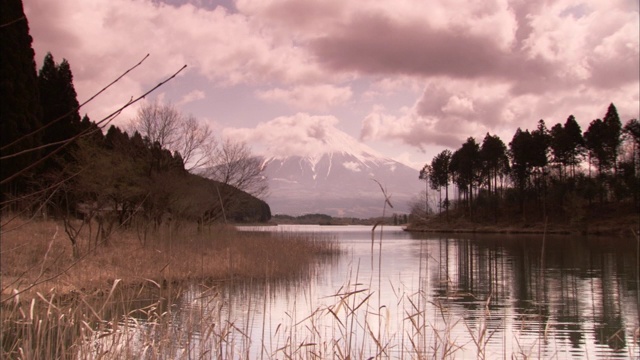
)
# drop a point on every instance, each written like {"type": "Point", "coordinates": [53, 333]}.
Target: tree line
{"type": "Point", "coordinates": [164, 166]}
{"type": "Point", "coordinates": [542, 173]}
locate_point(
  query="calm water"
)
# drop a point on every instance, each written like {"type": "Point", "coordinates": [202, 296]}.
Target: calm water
{"type": "Point", "coordinates": [440, 296]}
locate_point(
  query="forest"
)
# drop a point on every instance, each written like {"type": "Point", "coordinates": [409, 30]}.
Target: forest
{"type": "Point", "coordinates": [165, 167]}
{"type": "Point", "coordinates": [560, 175]}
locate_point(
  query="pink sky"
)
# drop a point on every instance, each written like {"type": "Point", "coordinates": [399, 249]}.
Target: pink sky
{"type": "Point", "coordinates": [407, 77]}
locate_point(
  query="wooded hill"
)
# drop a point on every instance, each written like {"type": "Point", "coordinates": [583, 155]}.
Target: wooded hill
{"type": "Point", "coordinates": [56, 163]}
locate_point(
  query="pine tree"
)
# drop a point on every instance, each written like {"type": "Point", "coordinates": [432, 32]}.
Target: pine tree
{"type": "Point", "coordinates": [59, 104]}
{"type": "Point", "coordinates": [466, 165]}
{"type": "Point", "coordinates": [19, 100]}
{"type": "Point", "coordinates": [613, 130]}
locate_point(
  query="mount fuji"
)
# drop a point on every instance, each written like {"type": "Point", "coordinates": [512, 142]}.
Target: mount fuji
{"type": "Point", "coordinates": [336, 178]}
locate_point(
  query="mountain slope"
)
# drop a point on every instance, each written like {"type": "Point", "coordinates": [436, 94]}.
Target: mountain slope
{"type": "Point", "coordinates": [338, 180]}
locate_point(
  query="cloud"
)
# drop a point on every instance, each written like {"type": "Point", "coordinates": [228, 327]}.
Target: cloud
{"type": "Point", "coordinates": [191, 96]}
{"type": "Point", "coordinates": [376, 44]}
{"type": "Point", "coordinates": [103, 38]}
{"type": "Point", "coordinates": [441, 70]}
{"type": "Point", "coordinates": [312, 97]}
{"type": "Point", "coordinates": [445, 115]}
{"type": "Point", "coordinates": [301, 134]}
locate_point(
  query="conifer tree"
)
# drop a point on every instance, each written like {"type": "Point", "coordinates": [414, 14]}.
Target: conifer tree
{"type": "Point", "coordinates": [613, 130]}
{"type": "Point", "coordinates": [21, 112]}
{"type": "Point", "coordinates": [59, 103]}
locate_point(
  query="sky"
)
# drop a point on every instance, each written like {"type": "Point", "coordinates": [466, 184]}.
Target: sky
{"type": "Point", "coordinates": [408, 78]}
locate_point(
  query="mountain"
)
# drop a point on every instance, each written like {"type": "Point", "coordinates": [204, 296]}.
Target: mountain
{"type": "Point", "coordinates": [337, 179]}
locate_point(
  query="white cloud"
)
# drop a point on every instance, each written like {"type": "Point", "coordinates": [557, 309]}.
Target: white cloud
{"type": "Point", "coordinates": [102, 38]}
{"type": "Point", "coordinates": [309, 97]}
{"type": "Point", "coordinates": [458, 105]}
{"type": "Point", "coordinates": [191, 96]}
{"type": "Point", "coordinates": [481, 66]}
{"type": "Point", "coordinates": [300, 134]}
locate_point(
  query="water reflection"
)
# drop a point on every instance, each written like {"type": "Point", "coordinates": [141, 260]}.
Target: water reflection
{"type": "Point", "coordinates": [418, 295]}
{"type": "Point", "coordinates": [579, 296]}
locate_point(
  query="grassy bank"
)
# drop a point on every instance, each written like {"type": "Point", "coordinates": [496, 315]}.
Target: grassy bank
{"type": "Point", "coordinates": [36, 256]}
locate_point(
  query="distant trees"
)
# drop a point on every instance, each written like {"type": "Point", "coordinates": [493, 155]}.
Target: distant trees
{"type": "Point", "coordinates": [540, 169]}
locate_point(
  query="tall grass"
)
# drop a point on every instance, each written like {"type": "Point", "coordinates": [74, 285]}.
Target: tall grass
{"type": "Point", "coordinates": [118, 301]}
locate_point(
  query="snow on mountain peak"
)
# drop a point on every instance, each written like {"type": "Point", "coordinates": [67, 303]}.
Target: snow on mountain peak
{"type": "Point", "coordinates": [307, 137]}
{"type": "Point", "coordinates": [323, 140]}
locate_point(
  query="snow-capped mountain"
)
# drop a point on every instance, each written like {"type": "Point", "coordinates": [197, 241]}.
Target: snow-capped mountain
{"type": "Point", "coordinates": [337, 179]}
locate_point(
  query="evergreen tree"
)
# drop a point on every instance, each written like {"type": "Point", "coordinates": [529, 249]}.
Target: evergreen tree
{"type": "Point", "coordinates": [595, 141]}
{"type": "Point", "coordinates": [613, 128]}
{"type": "Point", "coordinates": [494, 159]}
{"type": "Point", "coordinates": [574, 144]}
{"type": "Point", "coordinates": [541, 139]}
{"type": "Point", "coordinates": [522, 160]}
{"type": "Point", "coordinates": [567, 145]}
{"type": "Point", "coordinates": [558, 147]}
{"type": "Point", "coordinates": [466, 165]}
{"type": "Point", "coordinates": [603, 139]}
{"type": "Point", "coordinates": [495, 162]}
{"type": "Point", "coordinates": [19, 100]}
{"type": "Point", "coordinates": [540, 159]}
{"type": "Point", "coordinates": [59, 104]}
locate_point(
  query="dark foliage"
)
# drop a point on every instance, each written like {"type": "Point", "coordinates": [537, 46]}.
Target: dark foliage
{"type": "Point", "coordinates": [540, 176]}
{"type": "Point", "coordinates": [20, 111]}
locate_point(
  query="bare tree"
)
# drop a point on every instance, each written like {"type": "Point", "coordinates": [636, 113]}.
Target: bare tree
{"type": "Point", "coordinates": [164, 124]}
{"type": "Point", "coordinates": [197, 141]}
{"type": "Point", "coordinates": [233, 164]}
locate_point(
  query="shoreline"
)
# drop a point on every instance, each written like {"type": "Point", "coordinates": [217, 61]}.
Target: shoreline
{"type": "Point", "coordinates": [595, 229]}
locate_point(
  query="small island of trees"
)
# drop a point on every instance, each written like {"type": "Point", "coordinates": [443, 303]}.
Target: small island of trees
{"type": "Point", "coordinates": [559, 176]}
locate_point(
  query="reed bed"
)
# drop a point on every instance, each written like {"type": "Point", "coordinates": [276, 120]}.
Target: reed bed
{"type": "Point", "coordinates": [55, 304]}
{"type": "Point", "coordinates": [37, 257]}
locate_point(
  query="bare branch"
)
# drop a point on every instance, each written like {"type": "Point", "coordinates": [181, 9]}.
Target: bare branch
{"type": "Point", "coordinates": [163, 124]}
{"type": "Point", "coordinates": [235, 165]}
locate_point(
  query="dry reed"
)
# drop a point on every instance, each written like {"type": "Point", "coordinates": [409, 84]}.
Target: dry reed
{"type": "Point", "coordinates": [116, 301]}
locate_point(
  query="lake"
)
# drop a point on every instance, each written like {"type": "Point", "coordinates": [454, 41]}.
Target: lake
{"type": "Point", "coordinates": [410, 295]}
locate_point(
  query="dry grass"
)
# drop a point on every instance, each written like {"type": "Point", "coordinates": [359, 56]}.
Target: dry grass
{"type": "Point", "coordinates": [116, 301]}
{"type": "Point", "coordinates": [40, 253]}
